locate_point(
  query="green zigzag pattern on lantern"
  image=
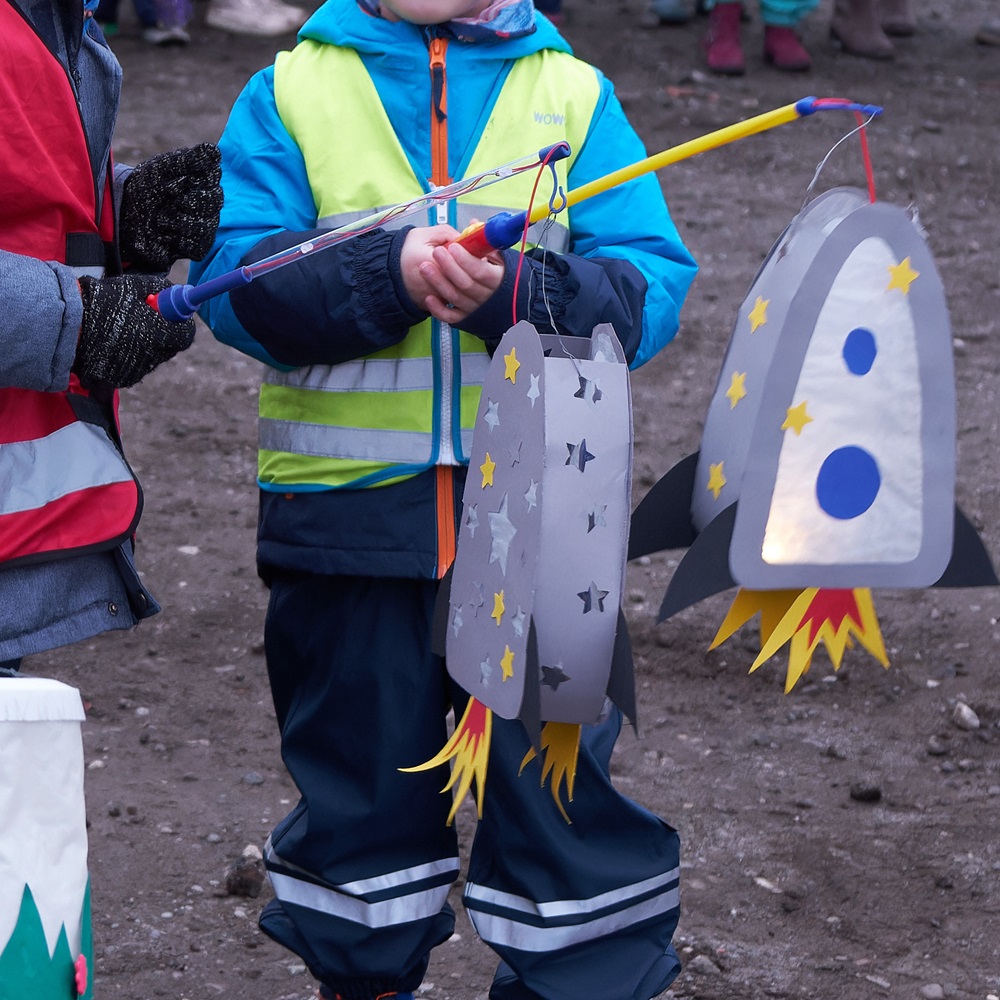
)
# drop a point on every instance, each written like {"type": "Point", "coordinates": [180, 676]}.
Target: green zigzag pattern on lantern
{"type": "Point", "coordinates": [27, 969]}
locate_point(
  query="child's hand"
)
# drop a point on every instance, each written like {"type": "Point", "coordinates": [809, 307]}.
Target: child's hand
{"type": "Point", "coordinates": [444, 277]}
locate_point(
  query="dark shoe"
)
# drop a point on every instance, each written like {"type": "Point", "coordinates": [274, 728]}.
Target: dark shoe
{"type": "Point", "coordinates": [897, 18]}
{"type": "Point", "coordinates": [989, 33]}
{"type": "Point", "coordinates": [855, 26]}
{"type": "Point", "coordinates": [325, 993]}
{"type": "Point", "coordinates": [670, 11]}
{"type": "Point", "coordinates": [783, 49]}
{"type": "Point", "coordinates": [723, 51]}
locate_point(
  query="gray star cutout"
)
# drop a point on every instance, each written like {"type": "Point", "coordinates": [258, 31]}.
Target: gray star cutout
{"type": "Point", "coordinates": [485, 671]}
{"type": "Point", "coordinates": [517, 620]}
{"type": "Point", "coordinates": [578, 455]}
{"type": "Point", "coordinates": [502, 532]}
{"type": "Point", "coordinates": [456, 620]}
{"type": "Point", "coordinates": [595, 517]}
{"type": "Point", "coordinates": [533, 390]}
{"type": "Point", "coordinates": [531, 495]}
{"type": "Point", "coordinates": [592, 598]}
{"type": "Point", "coordinates": [589, 390]}
{"type": "Point", "coordinates": [478, 597]}
{"type": "Point", "coordinates": [492, 415]}
{"type": "Point", "coordinates": [554, 676]}
{"type": "Point", "coordinates": [514, 452]}
{"type": "Point", "coordinates": [472, 521]}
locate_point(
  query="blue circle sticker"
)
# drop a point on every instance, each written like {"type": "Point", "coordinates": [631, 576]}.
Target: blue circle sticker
{"type": "Point", "coordinates": [848, 482]}
{"type": "Point", "coordinates": [859, 351]}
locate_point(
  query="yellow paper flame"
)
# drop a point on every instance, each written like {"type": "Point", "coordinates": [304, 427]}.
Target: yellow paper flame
{"type": "Point", "coordinates": [561, 744]}
{"type": "Point", "coordinates": [469, 746]}
{"type": "Point", "coordinates": [805, 619]}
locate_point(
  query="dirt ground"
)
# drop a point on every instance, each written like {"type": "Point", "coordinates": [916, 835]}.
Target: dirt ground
{"type": "Point", "coordinates": [791, 885]}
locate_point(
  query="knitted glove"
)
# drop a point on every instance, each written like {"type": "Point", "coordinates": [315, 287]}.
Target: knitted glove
{"type": "Point", "coordinates": [122, 339]}
{"type": "Point", "coordinates": [170, 207]}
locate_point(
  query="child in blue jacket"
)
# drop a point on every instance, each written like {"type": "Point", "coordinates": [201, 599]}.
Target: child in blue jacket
{"type": "Point", "coordinates": [374, 353]}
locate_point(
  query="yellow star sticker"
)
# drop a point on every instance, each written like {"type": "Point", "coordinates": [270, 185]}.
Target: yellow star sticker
{"type": "Point", "coordinates": [498, 607]}
{"type": "Point", "coordinates": [796, 418]}
{"type": "Point", "coordinates": [902, 276]}
{"type": "Point", "coordinates": [511, 365]}
{"type": "Point", "coordinates": [507, 663]}
{"type": "Point", "coordinates": [716, 480]}
{"type": "Point", "coordinates": [758, 315]}
{"type": "Point", "coordinates": [737, 389]}
{"type": "Point", "coordinates": [487, 469]}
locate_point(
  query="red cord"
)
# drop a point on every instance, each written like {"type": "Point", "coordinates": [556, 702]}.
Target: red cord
{"type": "Point", "coordinates": [866, 156]}
{"type": "Point", "coordinates": [524, 235]}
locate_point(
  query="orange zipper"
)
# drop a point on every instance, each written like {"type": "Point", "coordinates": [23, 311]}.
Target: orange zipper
{"type": "Point", "coordinates": [439, 113]}
{"type": "Point", "coordinates": [445, 475]}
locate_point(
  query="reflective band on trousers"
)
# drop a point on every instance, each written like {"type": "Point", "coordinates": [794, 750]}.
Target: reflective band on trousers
{"type": "Point", "coordinates": [567, 922]}
{"type": "Point", "coordinates": [73, 458]}
{"type": "Point", "coordinates": [344, 901]}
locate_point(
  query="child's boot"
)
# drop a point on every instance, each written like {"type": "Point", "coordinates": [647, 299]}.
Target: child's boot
{"type": "Point", "coordinates": [723, 50]}
{"type": "Point", "coordinates": [784, 50]}
{"type": "Point", "coordinates": [856, 26]}
{"type": "Point", "coordinates": [897, 18]}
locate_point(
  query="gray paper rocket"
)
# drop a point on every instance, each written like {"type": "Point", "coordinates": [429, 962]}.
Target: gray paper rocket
{"type": "Point", "coordinates": [534, 601]}
{"type": "Point", "coordinates": [828, 454]}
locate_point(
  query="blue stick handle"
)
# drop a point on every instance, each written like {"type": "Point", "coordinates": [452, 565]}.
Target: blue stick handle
{"type": "Point", "coordinates": [180, 302]}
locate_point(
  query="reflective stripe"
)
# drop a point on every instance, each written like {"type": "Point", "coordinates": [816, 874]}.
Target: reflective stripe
{"type": "Point", "coordinates": [344, 901]}
{"type": "Point", "coordinates": [357, 444]}
{"type": "Point", "coordinates": [554, 234]}
{"type": "Point", "coordinates": [73, 458]}
{"type": "Point", "coordinates": [376, 375]}
{"type": "Point", "coordinates": [339, 219]}
{"type": "Point", "coordinates": [378, 883]}
{"type": "Point", "coordinates": [568, 907]}
{"type": "Point", "coordinates": [503, 932]}
{"type": "Point", "coordinates": [406, 447]}
{"type": "Point", "coordinates": [94, 271]}
{"type": "Point", "coordinates": [416, 906]}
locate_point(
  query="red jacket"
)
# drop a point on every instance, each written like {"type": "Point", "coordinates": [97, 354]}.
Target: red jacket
{"type": "Point", "coordinates": [65, 487]}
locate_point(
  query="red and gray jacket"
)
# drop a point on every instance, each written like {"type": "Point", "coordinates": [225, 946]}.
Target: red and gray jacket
{"type": "Point", "coordinates": [65, 488]}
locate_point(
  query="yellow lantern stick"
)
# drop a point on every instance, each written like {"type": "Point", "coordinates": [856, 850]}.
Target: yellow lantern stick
{"type": "Point", "coordinates": [506, 228]}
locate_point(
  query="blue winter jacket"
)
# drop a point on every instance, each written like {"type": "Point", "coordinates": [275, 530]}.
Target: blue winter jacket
{"type": "Point", "coordinates": [627, 266]}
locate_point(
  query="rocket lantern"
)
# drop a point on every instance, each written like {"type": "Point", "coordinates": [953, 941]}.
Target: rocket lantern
{"type": "Point", "coordinates": [533, 623]}
{"type": "Point", "coordinates": [827, 462]}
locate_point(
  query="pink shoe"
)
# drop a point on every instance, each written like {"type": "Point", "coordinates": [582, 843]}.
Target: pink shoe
{"type": "Point", "coordinates": [783, 49]}
{"type": "Point", "coordinates": [723, 51]}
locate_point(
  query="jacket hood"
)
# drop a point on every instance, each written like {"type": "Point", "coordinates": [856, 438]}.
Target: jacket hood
{"type": "Point", "coordinates": [347, 24]}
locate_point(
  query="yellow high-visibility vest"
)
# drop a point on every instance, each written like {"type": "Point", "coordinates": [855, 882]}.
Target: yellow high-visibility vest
{"type": "Point", "coordinates": [401, 410]}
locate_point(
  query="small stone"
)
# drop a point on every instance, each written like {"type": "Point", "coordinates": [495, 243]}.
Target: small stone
{"type": "Point", "coordinates": [253, 778]}
{"type": "Point", "coordinates": [964, 717]}
{"type": "Point", "coordinates": [937, 746]}
{"type": "Point", "coordinates": [865, 791]}
{"type": "Point", "coordinates": [932, 991]}
{"type": "Point", "coordinates": [703, 965]}
{"type": "Point", "coordinates": [245, 877]}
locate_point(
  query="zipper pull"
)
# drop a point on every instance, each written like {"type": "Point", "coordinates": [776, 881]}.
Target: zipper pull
{"type": "Point", "coordinates": [438, 47]}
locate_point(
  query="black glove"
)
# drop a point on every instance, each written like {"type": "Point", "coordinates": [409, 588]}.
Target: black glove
{"type": "Point", "coordinates": [122, 339]}
{"type": "Point", "coordinates": [170, 207]}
